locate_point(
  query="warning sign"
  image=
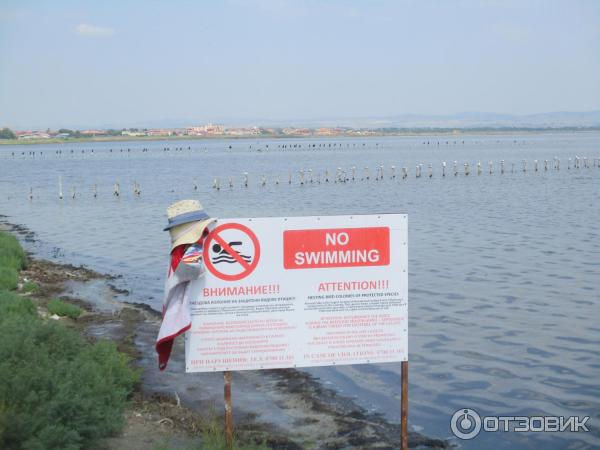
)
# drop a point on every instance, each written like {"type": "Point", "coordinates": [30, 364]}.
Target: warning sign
{"type": "Point", "coordinates": [301, 291]}
{"type": "Point", "coordinates": [231, 251]}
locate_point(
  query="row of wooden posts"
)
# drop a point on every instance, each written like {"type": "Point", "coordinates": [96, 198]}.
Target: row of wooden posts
{"type": "Point", "coordinates": [342, 175]}
{"type": "Point", "coordinates": [306, 177]}
{"type": "Point", "coordinates": [255, 146]}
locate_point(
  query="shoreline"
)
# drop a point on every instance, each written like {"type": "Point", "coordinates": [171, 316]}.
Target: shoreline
{"type": "Point", "coordinates": [401, 133]}
{"type": "Point", "coordinates": [161, 405]}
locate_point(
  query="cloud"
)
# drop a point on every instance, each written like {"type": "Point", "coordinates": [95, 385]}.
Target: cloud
{"type": "Point", "coordinates": [85, 29]}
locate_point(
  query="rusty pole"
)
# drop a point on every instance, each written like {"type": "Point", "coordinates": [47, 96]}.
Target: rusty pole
{"type": "Point", "coordinates": [228, 409]}
{"type": "Point", "coordinates": [404, 407]}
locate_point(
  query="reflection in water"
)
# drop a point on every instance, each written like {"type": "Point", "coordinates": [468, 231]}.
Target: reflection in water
{"type": "Point", "coordinates": [504, 267]}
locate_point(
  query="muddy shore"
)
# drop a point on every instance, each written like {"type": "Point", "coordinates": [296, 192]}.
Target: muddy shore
{"type": "Point", "coordinates": [288, 409]}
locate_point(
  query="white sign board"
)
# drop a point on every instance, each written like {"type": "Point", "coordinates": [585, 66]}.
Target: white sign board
{"type": "Point", "coordinates": [299, 292]}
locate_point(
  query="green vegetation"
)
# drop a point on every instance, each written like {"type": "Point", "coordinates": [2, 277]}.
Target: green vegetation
{"type": "Point", "coordinates": [60, 308]}
{"type": "Point", "coordinates": [58, 391]}
{"type": "Point", "coordinates": [71, 133]}
{"type": "Point", "coordinates": [213, 438]}
{"type": "Point", "coordinates": [8, 278]}
{"type": "Point", "coordinates": [7, 133]}
{"type": "Point", "coordinates": [30, 286]}
{"type": "Point", "coordinates": [12, 259]}
{"type": "Point", "coordinates": [11, 252]}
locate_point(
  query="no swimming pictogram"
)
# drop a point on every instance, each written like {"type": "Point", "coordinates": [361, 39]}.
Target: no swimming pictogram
{"type": "Point", "coordinates": [231, 251]}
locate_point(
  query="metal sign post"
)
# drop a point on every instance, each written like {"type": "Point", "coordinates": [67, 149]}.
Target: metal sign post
{"type": "Point", "coordinates": [404, 407]}
{"type": "Point", "coordinates": [228, 409]}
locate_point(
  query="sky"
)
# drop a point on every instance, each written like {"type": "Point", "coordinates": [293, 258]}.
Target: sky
{"type": "Point", "coordinates": [126, 63]}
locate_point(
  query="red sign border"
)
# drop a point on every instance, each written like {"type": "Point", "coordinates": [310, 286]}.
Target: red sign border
{"type": "Point", "coordinates": [251, 266]}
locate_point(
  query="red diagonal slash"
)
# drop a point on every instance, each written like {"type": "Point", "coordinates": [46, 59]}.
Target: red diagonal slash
{"type": "Point", "coordinates": [231, 251]}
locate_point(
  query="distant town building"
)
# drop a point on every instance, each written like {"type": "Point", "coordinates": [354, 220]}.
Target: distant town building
{"type": "Point", "coordinates": [132, 133]}
{"type": "Point", "coordinates": [92, 133]}
{"type": "Point", "coordinates": [254, 131]}
{"type": "Point", "coordinates": [328, 131]}
{"type": "Point", "coordinates": [159, 132]}
{"type": "Point", "coordinates": [205, 130]}
{"type": "Point", "coordinates": [297, 131]}
{"type": "Point", "coordinates": [32, 135]}
{"type": "Point", "coordinates": [195, 131]}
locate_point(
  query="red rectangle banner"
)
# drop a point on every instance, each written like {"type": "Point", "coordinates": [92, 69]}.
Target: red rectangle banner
{"type": "Point", "coordinates": [336, 247]}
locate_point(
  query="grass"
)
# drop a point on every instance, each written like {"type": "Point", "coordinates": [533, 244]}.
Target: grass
{"type": "Point", "coordinates": [12, 259]}
{"type": "Point", "coordinates": [213, 438]}
{"type": "Point", "coordinates": [9, 278]}
{"type": "Point", "coordinates": [11, 253]}
{"type": "Point", "coordinates": [58, 391]}
{"type": "Point", "coordinates": [60, 308]}
{"type": "Point", "coordinates": [30, 286]}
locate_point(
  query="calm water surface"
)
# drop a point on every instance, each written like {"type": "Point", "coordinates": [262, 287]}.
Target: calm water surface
{"type": "Point", "coordinates": [504, 269]}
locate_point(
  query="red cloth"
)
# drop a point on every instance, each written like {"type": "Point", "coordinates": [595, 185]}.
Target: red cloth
{"type": "Point", "coordinates": [165, 345]}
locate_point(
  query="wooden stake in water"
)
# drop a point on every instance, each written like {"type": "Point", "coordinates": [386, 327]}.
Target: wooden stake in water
{"type": "Point", "coordinates": [404, 406]}
{"type": "Point", "coordinates": [228, 409]}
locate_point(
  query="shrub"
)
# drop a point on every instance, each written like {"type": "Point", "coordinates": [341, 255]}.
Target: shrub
{"type": "Point", "coordinates": [30, 286]}
{"type": "Point", "coordinates": [11, 306]}
{"type": "Point", "coordinates": [60, 308]}
{"type": "Point", "coordinates": [57, 390]}
{"type": "Point", "coordinates": [11, 252]}
{"type": "Point", "coordinates": [9, 279]}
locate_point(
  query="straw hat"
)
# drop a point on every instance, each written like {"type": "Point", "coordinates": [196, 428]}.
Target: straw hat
{"type": "Point", "coordinates": [186, 222]}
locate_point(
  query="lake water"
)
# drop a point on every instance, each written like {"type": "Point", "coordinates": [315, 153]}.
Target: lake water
{"type": "Point", "coordinates": [504, 269]}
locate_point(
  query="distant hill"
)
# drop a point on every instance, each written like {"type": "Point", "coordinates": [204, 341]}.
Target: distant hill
{"type": "Point", "coordinates": [465, 120]}
{"type": "Point", "coordinates": [468, 120]}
